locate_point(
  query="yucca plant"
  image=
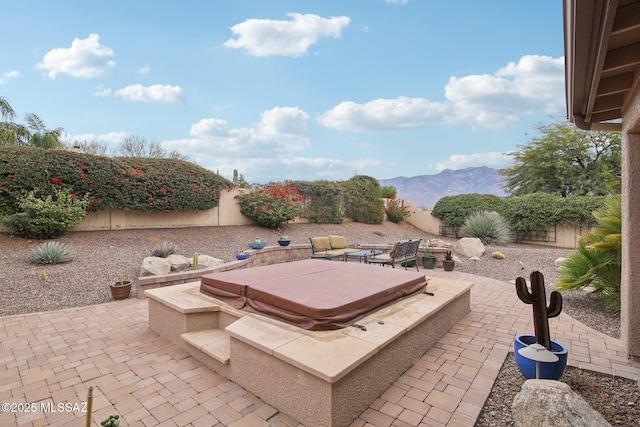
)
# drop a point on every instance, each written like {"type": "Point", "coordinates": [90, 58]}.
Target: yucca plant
{"type": "Point", "coordinates": [51, 253]}
{"type": "Point", "coordinates": [597, 261]}
{"type": "Point", "coordinates": [489, 227]}
{"type": "Point", "coordinates": [164, 250]}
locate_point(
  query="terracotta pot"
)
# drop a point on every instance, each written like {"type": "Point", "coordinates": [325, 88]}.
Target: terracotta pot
{"type": "Point", "coordinates": [121, 291]}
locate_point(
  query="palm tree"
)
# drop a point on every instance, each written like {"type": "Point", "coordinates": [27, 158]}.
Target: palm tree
{"type": "Point", "coordinates": [12, 133]}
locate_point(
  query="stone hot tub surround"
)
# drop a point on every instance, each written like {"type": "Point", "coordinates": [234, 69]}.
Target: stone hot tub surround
{"type": "Point", "coordinates": [322, 378]}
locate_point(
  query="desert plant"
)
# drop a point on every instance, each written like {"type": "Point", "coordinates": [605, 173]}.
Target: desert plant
{"type": "Point", "coordinates": [48, 217]}
{"type": "Point", "coordinates": [272, 204]}
{"type": "Point", "coordinates": [541, 312]}
{"type": "Point", "coordinates": [51, 253]}
{"type": "Point", "coordinates": [196, 261]}
{"type": "Point", "coordinates": [164, 250]}
{"type": "Point", "coordinates": [396, 210]}
{"type": "Point", "coordinates": [597, 261]}
{"type": "Point", "coordinates": [489, 227]}
{"type": "Point", "coordinates": [448, 256]}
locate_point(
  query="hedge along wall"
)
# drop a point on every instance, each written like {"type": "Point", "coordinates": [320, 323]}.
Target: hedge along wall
{"type": "Point", "coordinates": [119, 183]}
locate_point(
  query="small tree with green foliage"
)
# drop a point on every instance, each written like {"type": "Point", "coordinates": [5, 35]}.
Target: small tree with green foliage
{"type": "Point", "coordinates": [566, 161]}
{"type": "Point", "coordinates": [530, 212]}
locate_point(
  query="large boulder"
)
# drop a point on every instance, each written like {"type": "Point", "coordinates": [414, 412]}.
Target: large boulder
{"type": "Point", "coordinates": [209, 261]}
{"type": "Point", "coordinates": [551, 403]}
{"type": "Point", "coordinates": [154, 266]}
{"type": "Point", "coordinates": [469, 246]}
{"type": "Point", "coordinates": [178, 262]}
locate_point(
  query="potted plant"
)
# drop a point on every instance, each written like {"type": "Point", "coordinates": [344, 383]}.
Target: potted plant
{"type": "Point", "coordinates": [541, 315]}
{"type": "Point", "coordinates": [121, 289]}
{"type": "Point", "coordinates": [428, 258]}
{"type": "Point", "coordinates": [284, 240]}
{"type": "Point", "coordinates": [448, 263]}
{"type": "Point", "coordinates": [257, 243]}
{"type": "Point", "coordinates": [241, 254]}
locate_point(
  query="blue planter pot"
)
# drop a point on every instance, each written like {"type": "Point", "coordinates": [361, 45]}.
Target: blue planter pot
{"type": "Point", "coordinates": [257, 245]}
{"type": "Point", "coordinates": [284, 242]}
{"type": "Point", "coordinates": [548, 370]}
{"type": "Point", "coordinates": [241, 256]}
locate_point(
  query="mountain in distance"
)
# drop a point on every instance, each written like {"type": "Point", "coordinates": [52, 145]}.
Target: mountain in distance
{"type": "Point", "coordinates": [426, 190]}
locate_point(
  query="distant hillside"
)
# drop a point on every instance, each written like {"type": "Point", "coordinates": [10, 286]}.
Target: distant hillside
{"type": "Point", "coordinates": [426, 190]}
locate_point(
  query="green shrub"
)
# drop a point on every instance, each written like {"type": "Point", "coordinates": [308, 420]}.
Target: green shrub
{"type": "Point", "coordinates": [396, 210]}
{"type": "Point", "coordinates": [598, 260]}
{"type": "Point", "coordinates": [48, 217]}
{"type": "Point", "coordinates": [362, 200]}
{"type": "Point", "coordinates": [388, 192]}
{"type": "Point", "coordinates": [51, 253]}
{"type": "Point", "coordinates": [271, 204]}
{"type": "Point", "coordinates": [489, 227]}
{"type": "Point", "coordinates": [322, 201]}
{"type": "Point", "coordinates": [454, 210]}
{"type": "Point", "coordinates": [164, 250]}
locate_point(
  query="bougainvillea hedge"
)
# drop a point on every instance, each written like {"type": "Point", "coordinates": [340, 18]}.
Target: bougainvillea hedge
{"type": "Point", "coordinates": [122, 183]}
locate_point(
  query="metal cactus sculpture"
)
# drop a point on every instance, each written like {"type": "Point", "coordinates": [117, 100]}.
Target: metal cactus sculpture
{"type": "Point", "coordinates": [541, 313]}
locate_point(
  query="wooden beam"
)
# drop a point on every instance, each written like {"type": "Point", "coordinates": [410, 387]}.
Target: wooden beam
{"type": "Point", "coordinates": [606, 115]}
{"type": "Point", "coordinates": [616, 84]}
{"type": "Point", "coordinates": [609, 102]}
{"type": "Point", "coordinates": [622, 57]}
{"type": "Point", "coordinates": [627, 18]}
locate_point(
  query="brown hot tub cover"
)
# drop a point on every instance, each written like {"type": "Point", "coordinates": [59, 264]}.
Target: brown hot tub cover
{"type": "Point", "coordinates": [313, 294]}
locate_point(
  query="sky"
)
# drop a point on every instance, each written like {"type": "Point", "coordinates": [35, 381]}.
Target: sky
{"type": "Point", "coordinates": [292, 89]}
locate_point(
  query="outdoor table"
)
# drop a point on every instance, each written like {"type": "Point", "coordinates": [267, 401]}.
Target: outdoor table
{"type": "Point", "coordinates": [362, 255]}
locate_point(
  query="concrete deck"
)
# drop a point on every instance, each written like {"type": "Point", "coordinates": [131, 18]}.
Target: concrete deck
{"type": "Point", "coordinates": [51, 359]}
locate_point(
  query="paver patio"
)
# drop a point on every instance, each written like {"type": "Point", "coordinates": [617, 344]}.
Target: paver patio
{"type": "Point", "coordinates": [52, 358]}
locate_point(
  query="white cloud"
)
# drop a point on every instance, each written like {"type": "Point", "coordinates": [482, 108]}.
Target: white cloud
{"type": "Point", "coordinates": [9, 75]}
{"type": "Point", "coordinates": [144, 70]}
{"type": "Point", "coordinates": [266, 37]}
{"type": "Point", "coordinates": [535, 85]}
{"type": "Point", "coordinates": [281, 130]}
{"type": "Point", "coordinates": [397, 1]}
{"type": "Point", "coordinates": [102, 91]}
{"type": "Point", "coordinates": [496, 160]}
{"type": "Point", "coordinates": [384, 114]}
{"type": "Point", "coordinates": [85, 58]}
{"type": "Point", "coordinates": [111, 137]}
{"type": "Point", "coordinates": [156, 93]}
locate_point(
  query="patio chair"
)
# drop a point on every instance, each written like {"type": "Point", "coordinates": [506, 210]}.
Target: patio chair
{"type": "Point", "coordinates": [412, 253]}
{"type": "Point", "coordinates": [397, 255]}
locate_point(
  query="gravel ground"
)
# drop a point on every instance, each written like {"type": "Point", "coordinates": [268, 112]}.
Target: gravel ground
{"type": "Point", "coordinates": [102, 257]}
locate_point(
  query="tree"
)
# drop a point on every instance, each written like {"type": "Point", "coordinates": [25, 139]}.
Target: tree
{"type": "Point", "coordinates": [16, 134]}
{"type": "Point", "coordinates": [137, 146]}
{"type": "Point", "coordinates": [566, 161]}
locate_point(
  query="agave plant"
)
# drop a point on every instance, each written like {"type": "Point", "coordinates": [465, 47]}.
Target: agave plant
{"type": "Point", "coordinates": [489, 227]}
{"type": "Point", "coordinates": [51, 253]}
{"type": "Point", "coordinates": [164, 250]}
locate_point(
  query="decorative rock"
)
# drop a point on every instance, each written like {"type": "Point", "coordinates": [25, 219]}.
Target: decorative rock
{"type": "Point", "coordinates": [552, 403]}
{"type": "Point", "coordinates": [469, 246]}
{"type": "Point", "coordinates": [559, 261]}
{"type": "Point", "coordinates": [589, 289]}
{"type": "Point", "coordinates": [208, 261]}
{"type": "Point", "coordinates": [152, 266]}
{"type": "Point", "coordinates": [498, 255]}
{"type": "Point", "coordinates": [437, 243]}
{"type": "Point", "coordinates": [178, 262]}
